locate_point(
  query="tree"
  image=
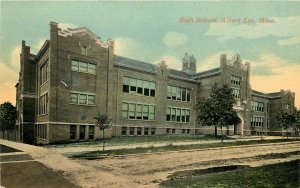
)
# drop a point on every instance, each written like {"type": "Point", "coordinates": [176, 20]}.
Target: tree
{"type": "Point", "coordinates": [103, 122]}
{"type": "Point", "coordinates": [288, 120]}
{"type": "Point", "coordinates": [7, 117]}
{"type": "Point", "coordinates": [218, 109]}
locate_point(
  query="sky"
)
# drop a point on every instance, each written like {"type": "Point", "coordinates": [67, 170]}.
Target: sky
{"type": "Point", "coordinates": [264, 33]}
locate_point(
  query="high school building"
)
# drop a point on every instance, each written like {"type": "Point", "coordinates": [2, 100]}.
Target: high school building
{"type": "Point", "coordinates": [76, 75]}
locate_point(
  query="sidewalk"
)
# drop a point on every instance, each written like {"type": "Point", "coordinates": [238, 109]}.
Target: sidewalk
{"type": "Point", "coordinates": [18, 170]}
{"type": "Point", "coordinates": [51, 170]}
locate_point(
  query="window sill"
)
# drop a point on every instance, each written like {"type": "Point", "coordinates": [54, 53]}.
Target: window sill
{"type": "Point", "coordinates": [83, 104]}
{"type": "Point", "coordinates": [85, 72]}
{"type": "Point", "coordinates": [179, 100]}
{"type": "Point", "coordinates": [178, 122]}
{"type": "Point", "coordinates": [138, 119]}
{"type": "Point", "coordinates": [141, 95]}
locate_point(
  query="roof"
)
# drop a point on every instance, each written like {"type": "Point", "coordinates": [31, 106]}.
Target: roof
{"type": "Point", "coordinates": [275, 94]}
{"type": "Point", "coordinates": [180, 74]}
{"type": "Point", "coordinates": [208, 72]}
{"type": "Point", "coordinates": [140, 65]}
{"type": "Point", "coordinates": [269, 95]}
{"type": "Point", "coordinates": [133, 63]}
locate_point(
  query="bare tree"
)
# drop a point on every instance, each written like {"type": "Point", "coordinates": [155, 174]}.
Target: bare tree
{"type": "Point", "coordinates": [103, 122]}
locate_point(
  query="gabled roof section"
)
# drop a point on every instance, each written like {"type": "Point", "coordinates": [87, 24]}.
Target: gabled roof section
{"type": "Point", "coordinates": [132, 63]}
{"type": "Point", "coordinates": [180, 74]}
{"type": "Point", "coordinates": [207, 73]}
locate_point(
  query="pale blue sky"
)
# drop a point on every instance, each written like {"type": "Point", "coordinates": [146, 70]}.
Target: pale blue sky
{"type": "Point", "coordinates": [150, 31]}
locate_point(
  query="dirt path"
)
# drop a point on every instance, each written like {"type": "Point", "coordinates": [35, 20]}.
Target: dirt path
{"type": "Point", "coordinates": [150, 169]}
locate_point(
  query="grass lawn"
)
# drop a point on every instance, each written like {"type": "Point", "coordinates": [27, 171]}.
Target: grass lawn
{"type": "Point", "coordinates": [282, 175]}
{"type": "Point", "coordinates": [142, 139]}
{"type": "Point", "coordinates": [170, 147]}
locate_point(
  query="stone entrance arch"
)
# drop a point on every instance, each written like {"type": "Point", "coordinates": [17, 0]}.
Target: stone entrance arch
{"type": "Point", "coordinates": [239, 128]}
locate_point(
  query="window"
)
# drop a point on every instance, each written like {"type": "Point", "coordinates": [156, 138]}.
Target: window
{"type": "Point", "coordinates": [183, 94]}
{"type": "Point", "coordinates": [82, 132]}
{"type": "Point", "coordinates": [83, 98]}
{"type": "Point", "coordinates": [257, 106]}
{"type": "Point", "coordinates": [179, 93]}
{"type": "Point", "coordinates": [91, 68]}
{"type": "Point", "coordinates": [139, 130]}
{"type": "Point", "coordinates": [125, 110]}
{"type": "Point", "coordinates": [91, 132]}
{"type": "Point", "coordinates": [146, 88]}
{"type": "Point", "coordinates": [132, 111]}
{"type": "Point", "coordinates": [146, 131]}
{"type": "Point", "coordinates": [72, 132]}
{"type": "Point", "coordinates": [178, 115]}
{"type": "Point", "coordinates": [91, 99]}
{"type": "Point", "coordinates": [151, 112]}
{"type": "Point", "coordinates": [43, 104]}
{"type": "Point", "coordinates": [84, 50]}
{"type": "Point", "coordinates": [183, 114]}
{"type": "Point", "coordinates": [44, 72]}
{"type": "Point", "coordinates": [124, 131]}
{"type": "Point", "coordinates": [132, 85]}
{"type": "Point", "coordinates": [131, 130]}
{"type": "Point", "coordinates": [126, 84]}
{"type": "Point", "coordinates": [74, 98]}
{"type": "Point", "coordinates": [41, 131]}
{"type": "Point", "coordinates": [146, 112]}
{"type": "Point", "coordinates": [288, 106]}
{"type": "Point", "coordinates": [174, 92]}
{"type": "Point", "coordinates": [152, 89]}
{"type": "Point", "coordinates": [235, 80]}
{"type": "Point", "coordinates": [168, 114]}
{"type": "Point", "coordinates": [168, 130]}
{"type": "Point", "coordinates": [138, 111]}
{"type": "Point", "coordinates": [83, 67]}
{"type": "Point", "coordinates": [139, 87]}
{"type": "Point", "coordinates": [169, 94]}
{"type": "Point", "coordinates": [173, 114]}
{"type": "Point", "coordinates": [173, 131]}
{"type": "Point", "coordinates": [236, 93]}
{"type": "Point", "coordinates": [75, 65]}
{"type": "Point", "coordinates": [257, 121]}
{"type": "Point", "coordinates": [188, 95]}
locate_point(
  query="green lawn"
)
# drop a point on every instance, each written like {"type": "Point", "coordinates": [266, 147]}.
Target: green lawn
{"type": "Point", "coordinates": [142, 139]}
{"type": "Point", "coordinates": [170, 147]}
{"type": "Point", "coordinates": [282, 175]}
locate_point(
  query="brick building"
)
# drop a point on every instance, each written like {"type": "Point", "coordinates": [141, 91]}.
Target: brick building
{"type": "Point", "coordinates": [76, 75]}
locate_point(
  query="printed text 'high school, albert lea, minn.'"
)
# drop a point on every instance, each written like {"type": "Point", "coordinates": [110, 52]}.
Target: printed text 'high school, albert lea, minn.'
{"type": "Point", "coordinates": [228, 20]}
